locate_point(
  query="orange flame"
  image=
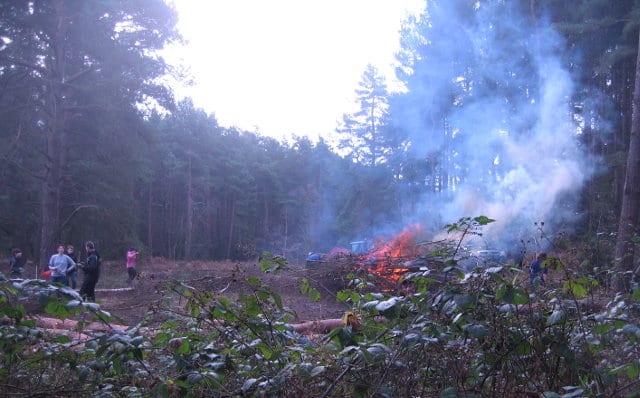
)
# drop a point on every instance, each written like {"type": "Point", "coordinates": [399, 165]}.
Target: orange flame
{"type": "Point", "coordinates": [385, 257]}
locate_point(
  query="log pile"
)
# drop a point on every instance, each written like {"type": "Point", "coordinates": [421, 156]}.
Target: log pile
{"type": "Point", "coordinates": [330, 275]}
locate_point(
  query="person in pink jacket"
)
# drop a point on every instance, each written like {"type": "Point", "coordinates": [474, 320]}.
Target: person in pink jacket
{"type": "Point", "coordinates": [132, 256]}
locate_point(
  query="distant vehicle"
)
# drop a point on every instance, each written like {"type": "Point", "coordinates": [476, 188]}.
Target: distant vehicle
{"type": "Point", "coordinates": [313, 258]}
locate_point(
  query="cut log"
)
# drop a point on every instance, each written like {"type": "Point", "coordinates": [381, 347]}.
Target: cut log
{"type": "Point", "coordinates": [70, 324]}
{"type": "Point", "coordinates": [319, 326]}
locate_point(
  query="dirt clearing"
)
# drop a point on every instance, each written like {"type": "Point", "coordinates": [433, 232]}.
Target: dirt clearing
{"type": "Point", "coordinates": [150, 296]}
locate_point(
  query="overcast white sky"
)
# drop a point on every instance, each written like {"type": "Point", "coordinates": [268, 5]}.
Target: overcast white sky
{"type": "Point", "coordinates": [282, 67]}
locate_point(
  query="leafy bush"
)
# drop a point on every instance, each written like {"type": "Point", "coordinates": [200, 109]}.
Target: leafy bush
{"type": "Point", "coordinates": [487, 333]}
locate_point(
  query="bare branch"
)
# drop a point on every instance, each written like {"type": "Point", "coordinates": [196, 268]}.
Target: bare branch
{"type": "Point", "coordinates": [73, 213]}
{"type": "Point", "coordinates": [11, 61]}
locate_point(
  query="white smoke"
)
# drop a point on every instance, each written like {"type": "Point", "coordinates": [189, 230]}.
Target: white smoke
{"type": "Point", "coordinates": [533, 144]}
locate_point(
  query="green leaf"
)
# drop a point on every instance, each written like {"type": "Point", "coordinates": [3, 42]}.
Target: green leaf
{"type": "Point", "coordinates": [556, 317]}
{"type": "Point", "coordinates": [577, 289]}
{"type": "Point", "coordinates": [631, 330]}
{"type": "Point", "coordinates": [512, 295]}
{"type": "Point", "coordinates": [304, 288]}
{"type": "Point", "coordinates": [317, 371]}
{"type": "Point", "coordinates": [520, 297]}
{"type": "Point", "coordinates": [386, 307]}
{"type": "Point", "coordinates": [483, 220]}
{"type": "Point", "coordinates": [496, 277]}
{"type": "Point", "coordinates": [252, 307]}
{"type": "Point", "coordinates": [183, 348]}
{"type": "Point", "coordinates": [160, 390]}
{"type": "Point", "coordinates": [194, 311]}
{"type": "Point", "coordinates": [194, 378]}
{"type": "Point", "coordinates": [263, 295]}
{"type": "Point", "coordinates": [355, 297]}
{"type": "Point", "coordinates": [30, 323]}
{"type": "Point", "coordinates": [267, 353]}
{"type": "Point", "coordinates": [478, 331]}
{"type": "Point", "coordinates": [466, 301]}
{"type": "Point", "coordinates": [636, 294]}
{"type": "Point", "coordinates": [577, 392]}
{"type": "Point", "coordinates": [277, 299]}
{"type": "Point", "coordinates": [253, 281]}
{"type": "Point", "coordinates": [136, 341]}
{"type": "Point", "coordinates": [345, 336]}
{"type": "Point", "coordinates": [83, 373]}
{"type": "Point", "coordinates": [602, 328]}
{"type": "Point", "coordinates": [523, 348]}
{"type": "Point", "coordinates": [248, 385]}
{"type": "Point", "coordinates": [633, 370]}
{"type": "Point", "coordinates": [62, 339]}
{"type": "Point", "coordinates": [57, 309]}
{"type": "Point", "coordinates": [376, 352]}
{"type": "Point", "coordinates": [314, 294]}
{"type": "Point", "coordinates": [343, 296]}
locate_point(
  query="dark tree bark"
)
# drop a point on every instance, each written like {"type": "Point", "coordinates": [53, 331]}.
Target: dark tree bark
{"type": "Point", "coordinates": [54, 133]}
{"type": "Point", "coordinates": [66, 67]}
{"type": "Point", "coordinates": [150, 217]}
{"type": "Point", "coordinates": [627, 228]}
{"type": "Point", "coordinates": [189, 227]}
{"type": "Point", "coordinates": [232, 218]}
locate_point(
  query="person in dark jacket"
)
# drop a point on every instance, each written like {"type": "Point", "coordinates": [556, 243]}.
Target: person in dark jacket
{"type": "Point", "coordinates": [72, 273]}
{"type": "Point", "coordinates": [538, 271]}
{"type": "Point", "coordinates": [91, 269]}
{"type": "Point", "coordinates": [16, 267]}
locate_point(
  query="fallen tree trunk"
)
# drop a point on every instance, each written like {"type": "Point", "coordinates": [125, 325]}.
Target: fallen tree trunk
{"type": "Point", "coordinates": [319, 326]}
{"type": "Point", "coordinates": [58, 326]}
{"type": "Point", "coordinates": [326, 325]}
{"type": "Point", "coordinates": [70, 324]}
{"type": "Point", "coordinates": [72, 334]}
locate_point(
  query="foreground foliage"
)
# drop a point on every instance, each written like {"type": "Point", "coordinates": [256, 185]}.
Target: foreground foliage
{"type": "Point", "coordinates": [487, 333]}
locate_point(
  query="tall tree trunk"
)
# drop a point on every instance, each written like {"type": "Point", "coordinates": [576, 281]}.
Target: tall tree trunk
{"type": "Point", "coordinates": [631, 195]}
{"type": "Point", "coordinates": [171, 224]}
{"type": "Point", "coordinates": [265, 229]}
{"type": "Point", "coordinates": [150, 217]}
{"type": "Point", "coordinates": [49, 205]}
{"type": "Point", "coordinates": [212, 211]}
{"type": "Point", "coordinates": [232, 217]}
{"type": "Point", "coordinates": [54, 132]}
{"type": "Point", "coordinates": [374, 138]}
{"type": "Point", "coordinates": [189, 227]}
{"type": "Point", "coordinates": [286, 227]}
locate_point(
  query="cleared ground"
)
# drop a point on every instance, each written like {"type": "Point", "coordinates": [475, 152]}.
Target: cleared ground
{"type": "Point", "coordinates": [150, 297]}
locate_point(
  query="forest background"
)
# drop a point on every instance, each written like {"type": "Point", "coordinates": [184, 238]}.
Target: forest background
{"type": "Point", "coordinates": [521, 111]}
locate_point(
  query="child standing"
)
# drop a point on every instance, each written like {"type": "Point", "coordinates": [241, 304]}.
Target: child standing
{"type": "Point", "coordinates": [132, 256]}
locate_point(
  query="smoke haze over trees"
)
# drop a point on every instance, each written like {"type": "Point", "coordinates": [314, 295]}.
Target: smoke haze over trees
{"type": "Point", "coordinates": [519, 110]}
{"type": "Point", "coordinates": [489, 109]}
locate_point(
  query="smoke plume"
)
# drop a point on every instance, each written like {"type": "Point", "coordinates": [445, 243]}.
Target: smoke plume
{"type": "Point", "coordinates": [512, 142]}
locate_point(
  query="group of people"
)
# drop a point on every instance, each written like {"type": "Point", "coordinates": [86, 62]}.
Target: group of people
{"type": "Point", "coordinates": [63, 268]}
